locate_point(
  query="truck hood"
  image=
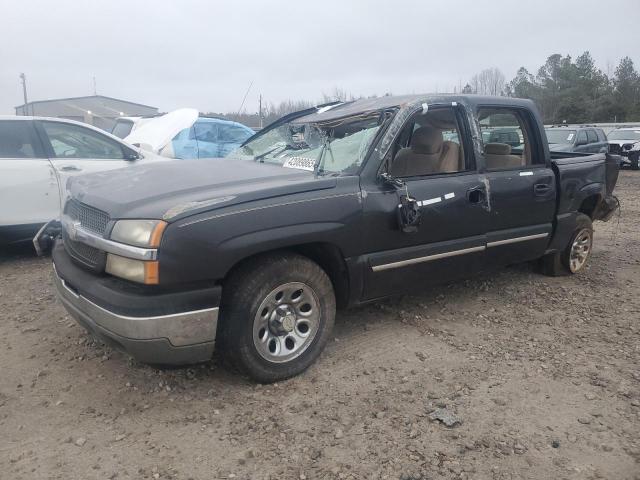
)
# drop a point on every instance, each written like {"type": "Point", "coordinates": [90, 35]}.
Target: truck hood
{"type": "Point", "coordinates": [177, 189]}
{"type": "Point", "coordinates": [635, 143]}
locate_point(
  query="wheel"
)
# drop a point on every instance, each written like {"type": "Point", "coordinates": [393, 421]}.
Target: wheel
{"type": "Point", "coordinates": [576, 254]}
{"type": "Point", "coordinates": [635, 161]}
{"type": "Point", "coordinates": [277, 313]}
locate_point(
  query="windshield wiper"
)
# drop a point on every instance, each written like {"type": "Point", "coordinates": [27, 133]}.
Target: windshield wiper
{"type": "Point", "coordinates": [262, 155]}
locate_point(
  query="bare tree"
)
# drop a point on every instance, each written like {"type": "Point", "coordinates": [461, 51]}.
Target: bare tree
{"type": "Point", "coordinates": [490, 81]}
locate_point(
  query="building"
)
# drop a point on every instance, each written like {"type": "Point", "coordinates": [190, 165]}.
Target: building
{"type": "Point", "coordinates": [96, 110]}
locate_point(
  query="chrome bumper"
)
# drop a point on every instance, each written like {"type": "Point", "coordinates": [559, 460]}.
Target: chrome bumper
{"type": "Point", "coordinates": [180, 338]}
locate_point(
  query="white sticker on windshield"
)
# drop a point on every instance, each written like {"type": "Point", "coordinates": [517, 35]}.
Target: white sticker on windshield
{"type": "Point", "coordinates": [570, 137]}
{"type": "Point", "coordinates": [301, 163]}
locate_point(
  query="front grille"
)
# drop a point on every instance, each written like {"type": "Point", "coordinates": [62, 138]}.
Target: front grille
{"type": "Point", "coordinates": [90, 218]}
{"type": "Point", "coordinates": [89, 256]}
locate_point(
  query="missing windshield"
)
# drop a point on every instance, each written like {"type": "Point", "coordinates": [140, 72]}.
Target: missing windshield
{"type": "Point", "coordinates": [332, 147]}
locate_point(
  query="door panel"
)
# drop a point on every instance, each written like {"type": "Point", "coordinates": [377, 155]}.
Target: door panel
{"type": "Point", "coordinates": [28, 191]}
{"type": "Point", "coordinates": [28, 184]}
{"type": "Point", "coordinates": [523, 205]}
{"type": "Point", "coordinates": [449, 243]}
{"type": "Point", "coordinates": [77, 150]}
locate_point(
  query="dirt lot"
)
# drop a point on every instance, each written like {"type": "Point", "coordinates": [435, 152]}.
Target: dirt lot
{"type": "Point", "coordinates": [543, 372]}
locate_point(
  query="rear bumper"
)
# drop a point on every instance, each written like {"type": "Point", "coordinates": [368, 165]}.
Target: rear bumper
{"type": "Point", "coordinates": [180, 337]}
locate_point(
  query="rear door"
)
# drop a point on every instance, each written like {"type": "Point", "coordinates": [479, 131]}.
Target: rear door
{"type": "Point", "coordinates": [184, 145]}
{"type": "Point", "coordinates": [450, 240]}
{"type": "Point", "coordinates": [582, 142]}
{"type": "Point", "coordinates": [522, 189]}
{"type": "Point", "coordinates": [602, 139]}
{"type": "Point", "coordinates": [28, 184]}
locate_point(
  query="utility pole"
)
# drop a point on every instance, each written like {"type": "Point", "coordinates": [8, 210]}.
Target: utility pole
{"type": "Point", "coordinates": [23, 77]}
{"type": "Point", "coordinates": [95, 91]}
{"type": "Point", "coordinates": [260, 110]}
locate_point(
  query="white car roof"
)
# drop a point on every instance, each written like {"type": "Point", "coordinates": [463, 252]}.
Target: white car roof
{"type": "Point", "coordinates": [65, 120]}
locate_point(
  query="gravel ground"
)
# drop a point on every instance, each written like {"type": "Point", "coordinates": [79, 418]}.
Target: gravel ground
{"type": "Point", "coordinates": [543, 374]}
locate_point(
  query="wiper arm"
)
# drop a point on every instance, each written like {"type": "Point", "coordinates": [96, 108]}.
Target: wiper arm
{"type": "Point", "coordinates": [326, 146]}
{"type": "Point", "coordinates": [262, 155]}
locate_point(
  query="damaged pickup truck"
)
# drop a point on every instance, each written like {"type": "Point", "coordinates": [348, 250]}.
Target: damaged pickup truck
{"type": "Point", "coordinates": [329, 207]}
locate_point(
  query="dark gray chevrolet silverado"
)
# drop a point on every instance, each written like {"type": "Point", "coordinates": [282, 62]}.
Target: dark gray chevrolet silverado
{"type": "Point", "coordinates": [328, 207]}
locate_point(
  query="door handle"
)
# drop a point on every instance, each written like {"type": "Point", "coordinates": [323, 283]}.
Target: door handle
{"type": "Point", "coordinates": [476, 195]}
{"type": "Point", "coordinates": [70, 168]}
{"type": "Point", "coordinates": [541, 188]}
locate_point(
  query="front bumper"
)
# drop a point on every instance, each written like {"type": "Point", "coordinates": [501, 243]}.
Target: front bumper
{"type": "Point", "coordinates": [177, 338]}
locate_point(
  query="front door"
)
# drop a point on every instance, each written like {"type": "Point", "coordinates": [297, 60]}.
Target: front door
{"type": "Point", "coordinates": [434, 159]}
{"type": "Point", "coordinates": [77, 150]}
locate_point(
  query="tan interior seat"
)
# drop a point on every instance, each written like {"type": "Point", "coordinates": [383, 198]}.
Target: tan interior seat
{"type": "Point", "coordinates": [498, 155]}
{"type": "Point", "coordinates": [428, 153]}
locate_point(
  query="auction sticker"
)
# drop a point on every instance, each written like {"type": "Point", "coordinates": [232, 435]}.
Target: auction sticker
{"type": "Point", "coordinates": [301, 163]}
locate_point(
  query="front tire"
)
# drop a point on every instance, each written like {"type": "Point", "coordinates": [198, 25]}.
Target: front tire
{"type": "Point", "coordinates": [635, 161]}
{"type": "Point", "coordinates": [277, 314]}
{"type": "Point", "coordinates": [576, 254]}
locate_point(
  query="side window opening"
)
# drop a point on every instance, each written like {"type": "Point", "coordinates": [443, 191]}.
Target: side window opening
{"type": "Point", "coordinates": [582, 138]}
{"type": "Point", "coordinates": [591, 136]}
{"type": "Point", "coordinates": [73, 141]}
{"type": "Point", "coordinates": [506, 138]}
{"type": "Point", "coordinates": [233, 134]}
{"type": "Point", "coordinates": [17, 139]}
{"type": "Point", "coordinates": [431, 143]}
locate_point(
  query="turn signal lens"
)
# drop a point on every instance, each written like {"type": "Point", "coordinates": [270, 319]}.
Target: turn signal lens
{"type": "Point", "coordinates": [134, 270]}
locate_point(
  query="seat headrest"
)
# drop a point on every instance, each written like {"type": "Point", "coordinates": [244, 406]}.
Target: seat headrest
{"type": "Point", "coordinates": [497, 149]}
{"type": "Point", "coordinates": [427, 140]}
{"type": "Point", "coordinates": [10, 146]}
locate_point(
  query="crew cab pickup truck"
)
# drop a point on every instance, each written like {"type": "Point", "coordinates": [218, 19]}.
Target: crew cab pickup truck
{"type": "Point", "coordinates": [328, 207]}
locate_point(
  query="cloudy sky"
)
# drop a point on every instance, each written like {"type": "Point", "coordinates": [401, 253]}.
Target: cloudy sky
{"type": "Point", "coordinates": [204, 54]}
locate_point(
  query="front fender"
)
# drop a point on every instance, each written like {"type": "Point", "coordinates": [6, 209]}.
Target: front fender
{"type": "Point", "coordinates": [205, 247]}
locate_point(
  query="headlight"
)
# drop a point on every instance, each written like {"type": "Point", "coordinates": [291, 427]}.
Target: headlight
{"type": "Point", "coordinates": [134, 270]}
{"type": "Point", "coordinates": [140, 233]}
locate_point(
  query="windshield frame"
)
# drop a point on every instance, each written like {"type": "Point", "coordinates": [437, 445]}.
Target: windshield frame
{"type": "Point", "coordinates": [567, 132]}
{"type": "Point", "coordinates": [384, 118]}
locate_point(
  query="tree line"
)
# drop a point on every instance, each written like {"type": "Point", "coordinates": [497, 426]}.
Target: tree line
{"type": "Point", "coordinates": [568, 90]}
{"type": "Point", "coordinates": [564, 89]}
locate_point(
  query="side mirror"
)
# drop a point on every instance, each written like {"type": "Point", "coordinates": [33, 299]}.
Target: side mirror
{"type": "Point", "coordinates": [409, 208]}
{"type": "Point", "coordinates": [408, 214]}
{"type": "Point", "coordinates": [580, 143]}
{"type": "Point", "coordinates": [391, 180]}
{"type": "Point", "coordinates": [144, 146]}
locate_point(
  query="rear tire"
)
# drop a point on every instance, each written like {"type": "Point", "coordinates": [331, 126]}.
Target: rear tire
{"type": "Point", "coordinates": [277, 313]}
{"type": "Point", "coordinates": [576, 254]}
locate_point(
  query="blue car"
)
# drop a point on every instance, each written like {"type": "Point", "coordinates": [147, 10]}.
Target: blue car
{"type": "Point", "coordinates": [209, 138]}
{"type": "Point", "coordinates": [183, 133]}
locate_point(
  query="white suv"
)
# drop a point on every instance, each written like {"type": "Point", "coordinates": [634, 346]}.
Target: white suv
{"type": "Point", "coordinates": [37, 155]}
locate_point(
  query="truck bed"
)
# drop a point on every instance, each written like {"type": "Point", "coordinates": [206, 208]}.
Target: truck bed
{"type": "Point", "coordinates": [584, 177]}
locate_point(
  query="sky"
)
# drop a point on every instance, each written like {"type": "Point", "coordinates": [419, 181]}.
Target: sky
{"type": "Point", "coordinates": [206, 54]}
